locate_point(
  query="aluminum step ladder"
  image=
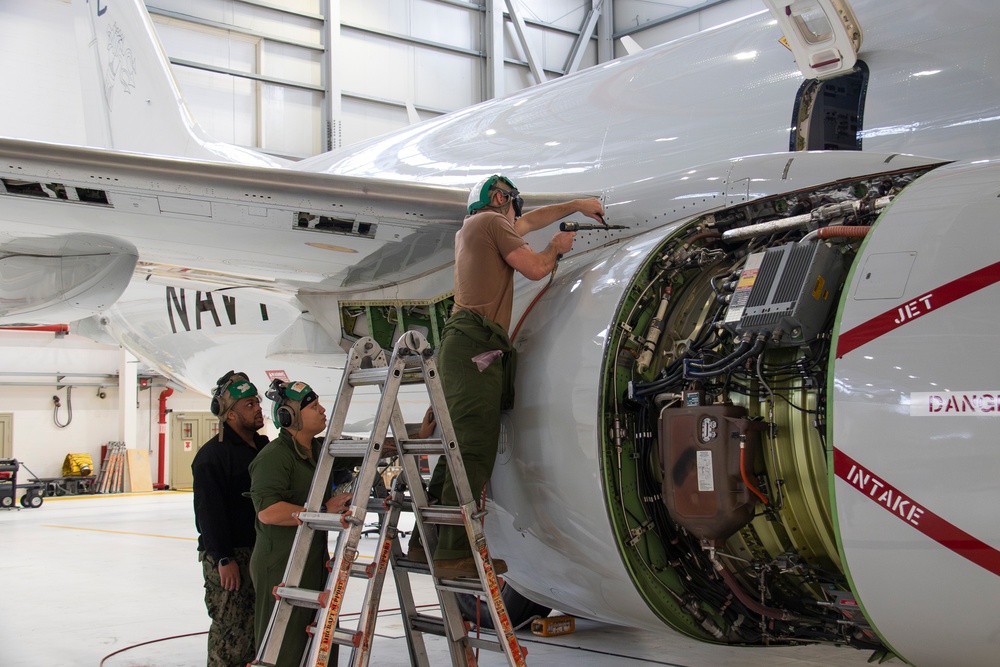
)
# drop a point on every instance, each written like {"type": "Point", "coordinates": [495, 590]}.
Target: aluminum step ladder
{"type": "Point", "coordinates": [412, 361]}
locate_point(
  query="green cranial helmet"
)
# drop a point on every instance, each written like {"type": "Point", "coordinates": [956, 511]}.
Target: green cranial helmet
{"type": "Point", "coordinates": [289, 400]}
{"type": "Point", "coordinates": [479, 196]}
{"type": "Point", "coordinates": [229, 389]}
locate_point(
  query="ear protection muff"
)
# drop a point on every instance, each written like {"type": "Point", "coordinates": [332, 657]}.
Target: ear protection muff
{"type": "Point", "coordinates": [282, 415]}
{"type": "Point", "coordinates": [289, 398]}
{"type": "Point", "coordinates": [226, 383]}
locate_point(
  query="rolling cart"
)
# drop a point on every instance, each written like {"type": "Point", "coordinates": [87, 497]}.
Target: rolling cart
{"type": "Point", "coordinates": [8, 486]}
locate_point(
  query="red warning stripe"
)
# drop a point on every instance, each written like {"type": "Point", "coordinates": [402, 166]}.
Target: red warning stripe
{"type": "Point", "coordinates": [904, 508]}
{"type": "Point", "coordinates": [922, 305]}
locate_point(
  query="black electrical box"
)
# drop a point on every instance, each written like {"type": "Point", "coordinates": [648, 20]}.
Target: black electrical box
{"type": "Point", "coordinates": [790, 288]}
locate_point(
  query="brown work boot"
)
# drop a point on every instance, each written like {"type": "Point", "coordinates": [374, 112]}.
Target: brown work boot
{"type": "Point", "coordinates": [456, 568]}
{"type": "Point", "coordinates": [415, 552]}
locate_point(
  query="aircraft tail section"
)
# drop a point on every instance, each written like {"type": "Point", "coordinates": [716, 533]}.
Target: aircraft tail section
{"type": "Point", "coordinates": [131, 100]}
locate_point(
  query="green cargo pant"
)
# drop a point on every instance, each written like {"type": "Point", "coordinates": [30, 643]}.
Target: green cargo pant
{"type": "Point", "coordinates": [473, 399]}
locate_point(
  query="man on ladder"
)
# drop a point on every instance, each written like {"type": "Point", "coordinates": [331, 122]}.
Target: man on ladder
{"type": "Point", "coordinates": [489, 248]}
{"type": "Point", "coordinates": [475, 356]}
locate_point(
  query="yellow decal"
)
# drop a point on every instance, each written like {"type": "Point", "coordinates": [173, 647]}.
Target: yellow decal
{"type": "Point", "coordinates": [818, 289]}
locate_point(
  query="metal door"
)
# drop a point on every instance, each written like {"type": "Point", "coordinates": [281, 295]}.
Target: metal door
{"type": "Point", "coordinates": [188, 432]}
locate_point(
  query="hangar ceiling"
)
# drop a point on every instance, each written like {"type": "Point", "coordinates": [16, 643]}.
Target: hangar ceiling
{"type": "Point", "coordinates": [299, 77]}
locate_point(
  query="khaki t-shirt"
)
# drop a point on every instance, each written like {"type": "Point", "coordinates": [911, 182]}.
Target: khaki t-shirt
{"type": "Point", "coordinates": [484, 281]}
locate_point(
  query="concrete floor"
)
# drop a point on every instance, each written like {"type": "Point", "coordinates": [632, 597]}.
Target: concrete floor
{"type": "Point", "coordinates": [114, 581]}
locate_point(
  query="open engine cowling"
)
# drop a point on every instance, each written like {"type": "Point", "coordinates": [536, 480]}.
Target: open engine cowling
{"type": "Point", "coordinates": [702, 357]}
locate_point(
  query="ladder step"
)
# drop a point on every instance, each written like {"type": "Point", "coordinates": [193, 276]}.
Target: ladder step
{"type": "Point", "coordinates": [302, 597]}
{"type": "Point", "coordinates": [468, 585]}
{"type": "Point", "coordinates": [486, 644]}
{"type": "Point", "coordinates": [368, 376]}
{"type": "Point", "coordinates": [429, 624]}
{"type": "Point", "coordinates": [428, 447]}
{"type": "Point", "coordinates": [362, 377]}
{"type": "Point", "coordinates": [355, 448]}
{"type": "Point", "coordinates": [321, 520]}
{"type": "Point", "coordinates": [435, 626]}
{"type": "Point", "coordinates": [345, 638]}
{"type": "Point", "coordinates": [412, 566]}
{"type": "Point", "coordinates": [376, 506]}
{"type": "Point", "coordinates": [451, 516]}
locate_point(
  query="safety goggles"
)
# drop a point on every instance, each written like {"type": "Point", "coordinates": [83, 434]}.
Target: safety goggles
{"type": "Point", "coordinates": [514, 197]}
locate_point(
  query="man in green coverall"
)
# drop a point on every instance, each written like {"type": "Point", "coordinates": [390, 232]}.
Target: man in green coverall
{"type": "Point", "coordinates": [280, 479]}
{"type": "Point", "coordinates": [489, 248]}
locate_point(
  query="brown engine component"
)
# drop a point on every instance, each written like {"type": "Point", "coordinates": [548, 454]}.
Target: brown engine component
{"type": "Point", "coordinates": [700, 454]}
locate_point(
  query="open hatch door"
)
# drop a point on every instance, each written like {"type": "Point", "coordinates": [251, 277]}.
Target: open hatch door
{"type": "Point", "coordinates": [823, 35]}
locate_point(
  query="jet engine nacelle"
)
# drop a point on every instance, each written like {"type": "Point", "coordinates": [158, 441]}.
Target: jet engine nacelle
{"type": "Point", "coordinates": [51, 280]}
{"type": "Point", "coordinates": [705, 429]}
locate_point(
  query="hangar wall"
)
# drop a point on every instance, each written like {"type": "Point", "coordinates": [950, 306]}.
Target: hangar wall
{"type": "Point", "coordinates": [256, 73]}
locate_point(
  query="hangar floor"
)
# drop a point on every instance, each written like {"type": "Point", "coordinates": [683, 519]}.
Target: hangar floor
{"type": "Point", "coordinates": [114, 581]}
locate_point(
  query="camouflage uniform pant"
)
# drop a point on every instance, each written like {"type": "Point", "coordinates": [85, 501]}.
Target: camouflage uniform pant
{"type": "Point", "coordinates": [230, 639]}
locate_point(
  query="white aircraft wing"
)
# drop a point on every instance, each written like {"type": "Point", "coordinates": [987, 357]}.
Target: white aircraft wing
{"type": "Point", "coordinates": [232, 224]}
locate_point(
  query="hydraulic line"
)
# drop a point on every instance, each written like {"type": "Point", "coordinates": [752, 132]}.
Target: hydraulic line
{"type": "Point", "coordinates": [715, 365]}
{"type": "Point", "coordinates": [743, 471]}
{"type": "Point", "coordinates": [754, 351]}
{"type": "Point", "coordinates": [751, 604]}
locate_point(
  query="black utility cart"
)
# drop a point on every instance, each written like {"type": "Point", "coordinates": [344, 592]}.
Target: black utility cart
{"type": "Point", "coordinates": [8, 486]}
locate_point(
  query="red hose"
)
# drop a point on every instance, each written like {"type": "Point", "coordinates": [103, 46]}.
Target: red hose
{"type": "Point", "coordinates": [844, 231]}
{"type": "Point", "coordinates": [531, 305]}
{"type": "Point", "coordinates": [746, 479]}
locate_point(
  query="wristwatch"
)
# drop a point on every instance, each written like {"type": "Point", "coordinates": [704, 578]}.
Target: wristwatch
{"type": "Point", "coordinates": [225, 560]}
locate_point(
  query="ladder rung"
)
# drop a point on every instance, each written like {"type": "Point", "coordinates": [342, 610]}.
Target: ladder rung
{"type": "Point", "coordinates": [451, 516]}
{"type": "Point", "coordinates": [345, 638]}
{"type": "Point", "coordinates": [412, 566]}
{"type": "Point", "coordinates": [321, 520]}
{"type": "Point", "coordinates": [425, 623]}
{"type": "Point", "coordinates": [302, 597]}
{"type": "Point", "coordinates": [376, 505]}
{"type": "Point", "coordinates": [468, 585]}
{"type": "Point", "coordinates": [428, 447]}
{"type": "Point", "coordinates": [435, 626]}
{"type": "Point", "coordinates": [368, 376]}
{"type": "Point", "coordinates": [480, 642]}
{"type": "Point", "coordinates": [353, 448]}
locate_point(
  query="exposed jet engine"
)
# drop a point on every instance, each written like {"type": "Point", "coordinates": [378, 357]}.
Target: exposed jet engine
{"type": "Point", "coordinates": [62, 278]}
{"type": "Point", "coordinates": [709, 346]}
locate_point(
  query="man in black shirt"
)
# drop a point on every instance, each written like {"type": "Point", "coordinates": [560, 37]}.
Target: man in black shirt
{"type": "Point", "coordinates": [225, 518]}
